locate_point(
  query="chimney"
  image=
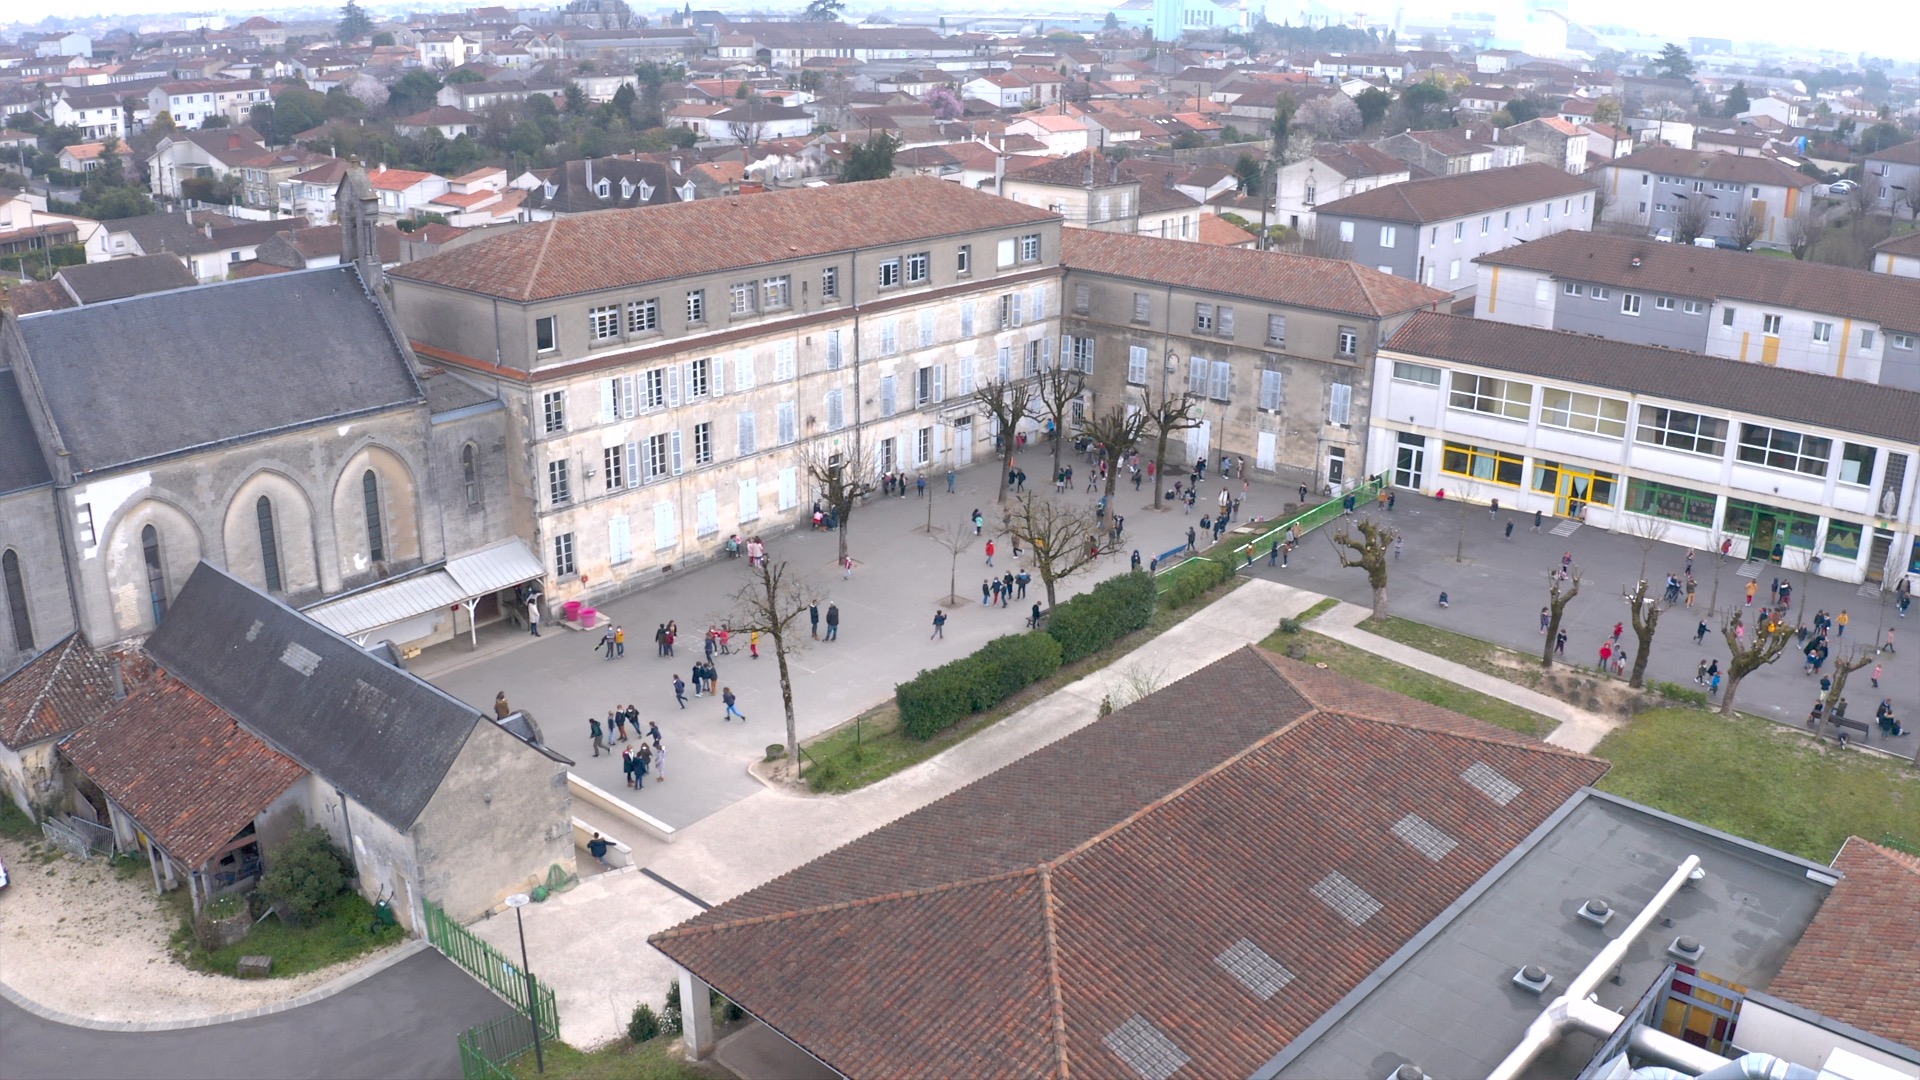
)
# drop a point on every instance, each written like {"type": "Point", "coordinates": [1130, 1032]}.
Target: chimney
{"type": "Point", "coordinates": [588, 165]}
{"type": "Point", "coordinates": [119, 682]}
{"type": "Point", "coordinates": [233, 142]}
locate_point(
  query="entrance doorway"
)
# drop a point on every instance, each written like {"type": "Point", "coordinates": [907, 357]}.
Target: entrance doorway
{"type": "Point", "coordinates": [1336, 467]}
{"type": "Point", "coordinates": [1410, 461]}
{"type": "Point", "coordinates": [963, 441]}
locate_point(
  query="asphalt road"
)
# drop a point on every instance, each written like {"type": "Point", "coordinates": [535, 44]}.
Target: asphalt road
{"type": "Point", "coordinates": [399, 1023]}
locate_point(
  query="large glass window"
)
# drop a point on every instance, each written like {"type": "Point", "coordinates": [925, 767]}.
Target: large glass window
{"type": "Point", "coordinates": [1843, 539]}
{"type": "Point", "coordinates": [1481, 463]}
{"type": "Point", "coordinates": [269, 543]}
{"type": "Point", "coordinates": [1856, 464]}
{"type": "Point", "coordinates": [1418, 373]}
{"type": "Point", "coordinates": [1671, 503]}
{"type": "Point", "coordinates": [156, 572]}
{"type": "Point", "coordinates": [1685, 431]}
{"type": "Point", "coordinates": [1780, 448]}
{"type": "Point", "coordinates": [1583, 412]}
{"type": "Point", "coordinates": [1486, 394]}
{"type": "Point", "coordinates": [17, 600]}
{"type": "Point", "coordinates": [376, 534]}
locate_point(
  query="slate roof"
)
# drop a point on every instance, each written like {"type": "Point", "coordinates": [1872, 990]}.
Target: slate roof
{"type": "Point", "coordinates": [1358, 159]}
{"type": "Point", "coordinates": [384, 736]}
{"type": "Point", "coordinates": [1441, 198]}
{"type": "Point", "coordinates": [165, 232]}
{"type": "Point", "coordinates": [1112, 891]}
{"type": "Point", "coordinates": [1270, 276]}
{"type": "Point", "coordinates": [1709, 165]}
{"type": "Point", "coordinates": [63, 689]}
{"type": "Point", "coordinates": [568, 256]}
{"type": "Point", "coordinates": [94, 283]}
{"type": "Point", "coordinates": [22, 465]}
{"type": "Point", "coordinates": [573, 193]}
{"type": "Point", "coordinates": [1713, 274]}
{"type": "Point", "coordinates": [1856, 962]}
{"type": "Point", "coordinates": [183, 768]}
{"type": "Point", "coordinates": [1822, 401]}
{"type": "Point", "coordinates": [216, 362]}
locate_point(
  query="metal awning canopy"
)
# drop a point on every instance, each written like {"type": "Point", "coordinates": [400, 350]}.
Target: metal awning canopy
{"type": "Point", "coordinates": [462, 581]}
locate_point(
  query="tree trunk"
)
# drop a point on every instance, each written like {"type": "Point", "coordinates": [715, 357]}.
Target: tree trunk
{"type": "Point", "coordinates": [1553, 634]}
{"type": "Point", "coordinates": [1733, 685]}
{"type": "Point", "coordinates": [1059, 447]}
{"type": "Point", "coordinates": [1006, 466]}
{"type": "Point", "coordinates": [1379, 601]}
{"type": "Point", "coordinates": [842, 530]}
{"type": "Point", "coordinates": [1639, 677]}
{"type": "Point", "coordinates": [1047, 580]}
{"type": "Point", "coordinates": [786, 702]}
{"type": "Point", "coordinates": [1159, 477]}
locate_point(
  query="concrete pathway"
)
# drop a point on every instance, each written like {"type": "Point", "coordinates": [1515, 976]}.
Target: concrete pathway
{"type": "Point", "coordinates": [590, 942]}
{"type": "Point", "coordinates": [1578, 729]}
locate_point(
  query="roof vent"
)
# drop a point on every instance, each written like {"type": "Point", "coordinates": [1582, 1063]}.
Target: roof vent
{"type": "Point", "coordinates": [1407, 1072]}
{"type": "Point", "coordinates": [1596, 911]}
{"type": "Point", "coordinates": [1533, 977]}
{"type": "Point", "coordinates": [1686, 948]}
{"type": "Point", "coordinates": [1635, 263]}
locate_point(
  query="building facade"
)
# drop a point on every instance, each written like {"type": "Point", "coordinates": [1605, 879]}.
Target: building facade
{"type": "Point", "coordinates": [668, 381]}
{"type": "Point", "coordinates": [1804, 471]}
{"type": "Point", "coordinates": [1667, 188]}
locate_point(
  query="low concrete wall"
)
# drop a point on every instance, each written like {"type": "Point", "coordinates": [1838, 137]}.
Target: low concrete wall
{"type": "Point", "coordinates": [642, 821]}
{"type": "Point", "coordinates": [618, 853]}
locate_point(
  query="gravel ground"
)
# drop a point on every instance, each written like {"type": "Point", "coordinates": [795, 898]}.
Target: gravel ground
{"type": "Point", "coordinates": [76, 937]}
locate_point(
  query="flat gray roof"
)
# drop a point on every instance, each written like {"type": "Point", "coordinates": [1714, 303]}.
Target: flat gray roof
{"type": "Point", "coordinates": [1447, 1003]}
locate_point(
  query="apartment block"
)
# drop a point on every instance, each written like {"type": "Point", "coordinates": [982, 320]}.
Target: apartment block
{"type": "Point", "coordinates": [1665, 187]}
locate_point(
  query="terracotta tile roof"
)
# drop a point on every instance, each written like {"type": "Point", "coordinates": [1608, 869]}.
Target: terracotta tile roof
{"type": "Point", "coordinates": [1276, 277]}
{"type": "Point", "coordinates": [1713, 274]}
{"type": "Point", "coordinates": [63, 689]}
{"type": "Point", "coordinates": [1821, 401]}
{"type": "Point", "coordinates": [1101, 886]}
{"type": "Point", "coordinates": [1215, 229]}
{"type": "Point", "coordinates": [1856, 962]}
{"type": "Point", "coordinates": [186, 770]}
{"type": "Point", "coordinates": [30, 297]}
{"type": "Point", "coordinates": [1708, 165]}
{"type": "Point", "coordinates": [395, 179]}
{"type": "Point", "coordinates": [1907, 244]}
{"type": "Point", "coordinates": [615, 248]}
{"type": "Point", "coordinates": [1907, 153]}
{"type": "Point", "coordinates": [1358, 159]}
{"type": "Point", "coordinates": [1442, 197]}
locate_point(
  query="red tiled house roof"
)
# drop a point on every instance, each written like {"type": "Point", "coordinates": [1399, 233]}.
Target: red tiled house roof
{"type": "Point", "coordinates": [1441, 197]}
{"type": "Point", "coordinates": [61, 690]}
{"type": "Point", "coordinates": [1856, 962]}
{"type": "Point", "coordinates": [1153, 880]}
{"type": "Point", "coordinates": [184, 768]}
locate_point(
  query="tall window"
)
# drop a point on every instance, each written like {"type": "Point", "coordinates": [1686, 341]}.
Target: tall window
{"type": "Point", "coordinates": [269, 544]}
{"type": "Point", "coordinates": [376, 536]}
{"type": "Point", "coordinates": [17, 600]}
{"type": "Point", "coordinates": [470, 473]}
{"type": "Point", "coordinates": [156, 573]}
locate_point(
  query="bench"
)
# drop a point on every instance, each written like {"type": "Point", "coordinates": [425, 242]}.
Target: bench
{"type": "Point", "coordinates": [1860, 726]}
{"type": "Point", "coordinates": [255, 967]}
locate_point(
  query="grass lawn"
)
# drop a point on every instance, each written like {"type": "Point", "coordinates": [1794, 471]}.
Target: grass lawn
{"type": "Point", "coordinates": [1319, 609]}
{"type": "Point", "coordinates": [1399, 678]}
{"type": "Point", "coordinates": [1482, 656]}
{"type": "Point", "coordinates": [1766, 783]}
{"type": "Point", "coordinates": [15, 823]}
{"type": "Point", "coordinates": [342, 933]}
{"type": "Point", "coordinates": [872, 747]}
{"type": "Point", "coordinates": [657, 1059]}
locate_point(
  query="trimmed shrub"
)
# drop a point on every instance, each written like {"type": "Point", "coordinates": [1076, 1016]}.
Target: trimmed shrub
{"type": "Point", "coordinates": [303, 875]}
{"type": "Point", "coordinates": [671, 1022]}
{"type": "Point", "coordinates": [1195, 579]}
{"type": "Point", "coordinates": [1089, 622]}
{"type": "Point", "coordinates": [643, 1025]}
{"type": "Point", "coordinates": [937, 699]}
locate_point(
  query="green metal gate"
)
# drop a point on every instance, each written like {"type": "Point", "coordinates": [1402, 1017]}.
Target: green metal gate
{"type": "Point", "coordinates": [492, 967]}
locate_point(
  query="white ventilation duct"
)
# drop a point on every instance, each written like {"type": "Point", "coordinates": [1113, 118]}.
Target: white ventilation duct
{"type": "Point", "coordinates": [1759, 1067]}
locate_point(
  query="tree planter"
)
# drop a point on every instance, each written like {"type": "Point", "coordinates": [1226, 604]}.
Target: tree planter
{"type": "Point", "coordinates": [218, 927]}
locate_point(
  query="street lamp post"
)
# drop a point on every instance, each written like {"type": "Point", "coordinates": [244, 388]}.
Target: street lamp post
{"type": "Point", "coordinates": [516, 902]}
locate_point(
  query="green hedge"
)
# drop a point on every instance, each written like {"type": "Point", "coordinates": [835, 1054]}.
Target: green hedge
{"type": "Point", "coordinates": [1110, 610]}
{"type": "Point", "coordinates": [941, 697]}
{"type": "Point", "coordinates": [1194, 580]}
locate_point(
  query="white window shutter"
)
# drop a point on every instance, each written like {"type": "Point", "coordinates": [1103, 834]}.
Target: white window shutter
{"type": "Point", "coordinates": [619, 539]}
{"type": "Point", "coordinates": [673, 386]}
{"type": "Point", "coordinates": [750, 498]}
{"type": "Point", "coordinates": [1019, 308]}
{"type": "Point", "coordinates": [609, 401]}
{"type": "Point", "coordinates": [626, 397]}
{"type": "Point", "coordinates": [717, 375]}
{"type": "Point", "coordinates": [1039, 302]}
{"type": "Point", "coordinates": [663, 529]}
{"type": "Point", "coordinates": [1046, 354]}
{"type": "Point", "coordinates": [743, 369]}
{"type": "Point", "coordinates": [1341, 407]}
{"type": "Point", "coordinates": [789, 488]}
{"type": "Point", "coordinates": [939, 382]}
{"type": "Point", "coordinates": [633, 464]}
{"type": "Point", "coordinates": [706, 513]}
{"type": "Point", "coordinates": [966, 375]}
{"type": "Point", "coordinates": [673, 444]}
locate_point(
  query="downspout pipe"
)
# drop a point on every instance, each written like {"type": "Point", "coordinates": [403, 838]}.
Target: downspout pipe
{"type": "Point", "coordinates": [1572, 1009]}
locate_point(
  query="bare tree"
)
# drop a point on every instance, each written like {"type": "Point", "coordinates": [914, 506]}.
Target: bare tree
{"type": "Point", "coordinates": [1120, 431]}
{"type": "Point", "coordinates": [1643, 611]}
{"type": "Point", "coordinates": [1164, 415]}
{"type": "Point", "coordinates": [1690, 221]}
{"type": "Point", "coordinates": [773, 601]}
{"type": "Point", "coordinates": [1860, 203]}
{"type": "Point", "coordinates": [958, 540]}
{"type": "Point", "coordinates": [1056, 390]}
{"type": "Point", "coordinates": [1601, 200]}
{"type": "Point", "coordinates": [843, 479]}
{"type": "Point", "coordinates": [1804, 230]}
{"type": "Point", "coordinates": [1750, 652]}
{"type": "Point", "coordinates": [1064, 540]}
{"type": "Point", "coordinates": [1559, 594]}
{"type": "Point", "coordinates": [1332, 117]}
{"type": "Point", "coordinates": [1324, 242]}
{"type": "Point", "coordinates": [1749, 225]}
{"type": "Point", "coordinates": [1007, 402]}
{"type": "Point", "coordinates": [1850, 660]}
{"type": "Point", "coordinates": [1910, 198]}
{"type": "Point", "coordinates": [1649, 532]}
{"type": "Point", "coordinates": [1369, 552]}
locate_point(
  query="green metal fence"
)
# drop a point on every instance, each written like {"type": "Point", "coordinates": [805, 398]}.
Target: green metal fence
{"type": "Point", "coordinates": [490, 966]}
{"type": "Point", "coordinates": [1306, 521]}
{"type": "Point", "coordinates": [488, 1047]}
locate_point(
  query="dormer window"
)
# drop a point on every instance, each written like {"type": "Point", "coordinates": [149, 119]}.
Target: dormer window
{"type": "Point", "coordinates": [550, 189]}
{"type": "Point", "coordinates": [626, 189]}
{"type": "Point", "coordinates": [603, 188]}
{"type": "Point", "coordinates": [646, 191]}
{"type": "Point", "coordinates": [686, 192]}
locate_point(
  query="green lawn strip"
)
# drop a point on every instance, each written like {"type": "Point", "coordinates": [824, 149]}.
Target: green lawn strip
{"type": "Point", "coordinates": [15, 823]}
{"type": "Point", "coordinates": [1756, 779]}
{"type": "Point", "coordinates": [342, 933]}
{"type": "Point", "coordinates": [1482, 656]}
{"type": "Point", "coordinates": [1318, 610]}
{"type": "Point", "coordinates": [871, 747]}
{"type": "Point", "coordinates": [1388, 675]}
{"type": "Point", "coordinates": [656, 1059]}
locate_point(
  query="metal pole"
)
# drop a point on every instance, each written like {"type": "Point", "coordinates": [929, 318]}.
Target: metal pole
{"type": "Point", "coordinates": [533, 1003]}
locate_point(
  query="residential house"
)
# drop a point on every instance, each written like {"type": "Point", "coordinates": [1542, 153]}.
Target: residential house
{"type": "Point", "coordinates": [63, 43]}
{"type": "Point", "coordinates": [684, 359]}
{"type": "Point", "coordinates": [1454, 150]}
{"type": "Point", "coordinates": [1803, 471]}
{"type": "Point", "coordinates": [1893, 175]}
{"type": "Point", "coordinates": [99, 114]}
{"type": "Point", "coordinates": [1898, 255]}
{"type": "Point", "coordinates": [1087, 189]}
{"type": "Point", "coordinates": [1552, 141]}
{"type": "Point", "coordinates": [269, 34]}
{"type": "Point", "coordinates": [263, 177]}
{"type": "Point", "coordinates": [751, 122]}
{"type": "Point", "coordinates": [322, 245]}
{"type": "Point", "coordinates": [1660, 130]}
{"type": "Point", "coordinates": [789, 45]}
{"type": "Point", "coordinates": [1742, 143]}
{"type": "Point", "coordinates": [1390, 67]}
{"type": "Point", "coordinates": [405, 193]}
{"type": "Point", "coordinates": [1062, 134]}
{"type": "Point", "coordinates": [213, 154]}
{"type": "Point", "coordinates": [450, 122]}
{"type": "Point", "coordinates": [1136, 937]}
{"type": "Point", "coordinates": [88, 156]}
{"type": "Point", "coordinates": [260, 720]}
{"type": "Point", "coordinates": [480, 97]}
{"type": "Point", "coordinates": [1483, 101]}
{"type": "Point", "coordinates": [1275, 348]}
{"type": "Point", "coordinates": [45, 696]}
{"type": "Point", "coordinates": [1712, 195]}
{"type": "Point", "coordinates": [1000, 89]}
{"type": "Point", "coordinates": [1432, 230]}
{"type": "Point", "coordinates": [1606, 142]}
{"type": "Point", "coordinates": [192, 103]}
{"type": "Point", "coordinates": [312, 194]}
{"type": "Point", "coordinates": [443, 50]}
{"type": "Point", "coordinates": [117, 279]}
{"type": "Point", "coordinates": [1333, 171]}
{"type": "Point", "coordinates": [1804, 316]}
